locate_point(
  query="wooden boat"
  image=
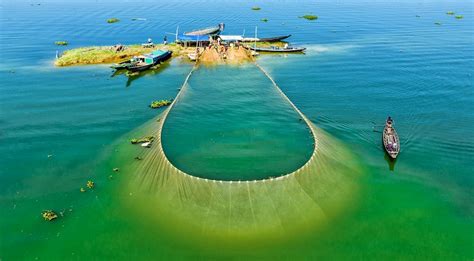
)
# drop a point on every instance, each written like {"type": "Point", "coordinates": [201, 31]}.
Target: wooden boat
{"type": "Point", "coordinates": [268, 39]}
{"type": "Point", "coordinates": [124, 64]}
{"type": "Point", "coordinates": [210, 30]}
{"type": "Point", "coordinates": [147, 61]}
{"type": "Point", "coordinates": [274, 39]}
{"type": "Point", "coordinates": [275, 49]}
{"type": "Point", "coordinates": [391, 142]}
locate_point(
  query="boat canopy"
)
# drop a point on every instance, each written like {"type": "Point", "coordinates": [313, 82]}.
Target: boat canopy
{"type": "Point", "coordinates": [231, 38]}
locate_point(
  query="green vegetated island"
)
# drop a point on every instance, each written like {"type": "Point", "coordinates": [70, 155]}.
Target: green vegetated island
{"type": "Point", "coordinates": [109, 54]}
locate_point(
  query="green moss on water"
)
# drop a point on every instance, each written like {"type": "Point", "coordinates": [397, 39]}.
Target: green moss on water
{"type": "Point", "coordinates": [142, 140]}
{"type": "Point", "coordinates": [459, 17]}
{"type": "Point", "coordinates": [63, 43]}
{"type": "Point", "coordinates": [160, 103]}
{"type": "Point", "coordinates": [107, 54]}
{"type": "Point", "coordinates": [450, 13]}
{"type": "Point", "coordinates": [113, 20]}
{"type": "Point", "coordinates": [309, 17]}
{"type": "Point", "coordinates": [256, 8]}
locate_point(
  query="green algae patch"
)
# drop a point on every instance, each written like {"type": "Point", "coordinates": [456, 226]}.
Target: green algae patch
{"type": "Point", "coordinates": [459, 17]}
{"type": "Point", "coordinates": [264, 20]}
{"type": "Point", "coordinates": [108, 54]}
{"type": "Point", "coordinates": [256, 8]}
{"type": "Point", "coordinates": [309, 17]}
{"type": "Point", "coordinates": [450, 12]}
{"type": "Point", "coordinates": [142, 140]}
{"type": "Point", "coordinates": [113, 20]}
{"type": "Point", "coordinates": [159, 104]}
{"type": "Point", "coordinates": [62, 43]}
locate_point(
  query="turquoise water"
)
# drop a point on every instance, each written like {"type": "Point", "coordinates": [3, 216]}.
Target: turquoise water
{"type": "Point", "coordinates": [243, 128]}
{"type": "Point", "coordinates": [365, 60]}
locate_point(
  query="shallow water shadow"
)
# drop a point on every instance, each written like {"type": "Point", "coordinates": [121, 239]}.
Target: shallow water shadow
{"type": "Point", "coordinates": [391, 162]}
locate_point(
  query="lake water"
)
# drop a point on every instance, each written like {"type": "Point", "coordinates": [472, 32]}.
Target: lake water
{"type": "Point", "coordinates": [60, 127]}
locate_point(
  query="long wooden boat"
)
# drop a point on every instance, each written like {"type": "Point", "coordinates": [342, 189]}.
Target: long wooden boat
{"type": "Point", "coordinates": [147, 61]}
{"type": "Point", "coordinates": [206, 31]}
{"type": "Point", "coordinates": [268, 39]}
{"type": "Point", "coordinates": [274, 39]}
{"type": "Point", "coordinates": [124, 64]}
{"type": "Point", "coordinates": [391, 142]}
{"type": "Point", "coordinates": [275, 49]}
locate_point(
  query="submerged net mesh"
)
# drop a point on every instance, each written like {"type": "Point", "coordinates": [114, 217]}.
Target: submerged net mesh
{"type": "Point", "coordinates": [248, 210]}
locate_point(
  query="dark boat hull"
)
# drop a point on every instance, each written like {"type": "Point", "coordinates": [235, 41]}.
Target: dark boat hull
{"type": "Point", "coordinates": [139, 68]}
{"type": "Point", "coordinates": [274, 39]}
{"type": "Point", "coordinates": [278, 50]}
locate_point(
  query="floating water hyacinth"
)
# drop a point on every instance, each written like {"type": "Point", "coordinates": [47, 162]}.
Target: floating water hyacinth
{"type": "Point", "coordinates": [309, 17]}
{"type": "Point", "coordinates": [112, 20]}
{"type": "Point", "coordinates": [256, 8]}
{"type": "Point", "coordinates": [142, 140]}
{"type": "Point", "coordinates": [159, 104]}
{"type": "Point", "coordinates": [450, 13]}
{"type": "Point", "coordinates": [264, 20]}
{"type": "Point", "coordinates": [459, 17]}
{"type": "Point", "coordinates": [61, 43]}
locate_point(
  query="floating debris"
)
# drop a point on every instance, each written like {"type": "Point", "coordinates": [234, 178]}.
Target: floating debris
{"type": "Point", "coordinates": [138, 158]}
{"type": "Point", "coordinates": [450, 12]}
{"type": "Point", "coordinates": [112, 20]}
{"type": "Point", "coordinates": [142, 140]}
{"type": "Point", "coordinates": [61, 43]}
{"type": "Point", "coordinates": [437, 23]}
{"type": "Point", "coordinates": [159, 104]}
{"type": "Point", "coordinates": [264, 20]}
{"type": "Point", "coordinates": [459, 17]}
{"type": "Point", "coordinates": [50, 155]}
{"type": "Point", "coordinates": [116, 169]}
{"type": "Point", "coordinates": [256, 8]}
{"type": "Point", "coordinates": [49, 215]}
{"type": "Point", "coordinates": [82, 190]}
{"type": "Point", "coordinates": [146, 144]}
{"type": "Point", "coordinates": [309, 17]}
{"type": "Point", "coordinates": [417, 16]}
{"type": "Point", "coordinates": [90, 184]}
{"type": "Point", "coordinates": [138, 19]}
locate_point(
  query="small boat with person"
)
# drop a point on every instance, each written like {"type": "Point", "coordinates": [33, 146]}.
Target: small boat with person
{"type": "Point", "coordinates": [391, 142]}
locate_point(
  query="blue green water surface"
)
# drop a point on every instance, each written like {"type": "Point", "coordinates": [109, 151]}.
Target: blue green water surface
{"type": "Point", "coordinates": [364, 61]}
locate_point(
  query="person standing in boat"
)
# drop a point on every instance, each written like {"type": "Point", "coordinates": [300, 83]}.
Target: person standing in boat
{"type": "Point", "coordinates": [165, 40]}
